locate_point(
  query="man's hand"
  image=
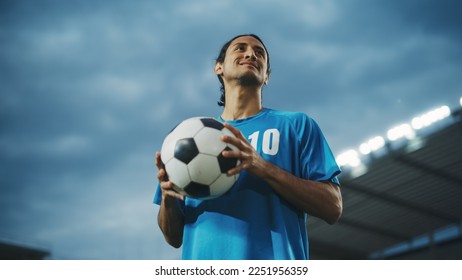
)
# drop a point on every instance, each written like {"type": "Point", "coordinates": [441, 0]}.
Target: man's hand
{"type": "Point", "coordinates": [250, 159]}
{"type": "Point", "coordinates": [320, 199]}
{"type": "Point", "coordinates": [165, 185]}
{"type": "Point", "coordinates": [170, 218]}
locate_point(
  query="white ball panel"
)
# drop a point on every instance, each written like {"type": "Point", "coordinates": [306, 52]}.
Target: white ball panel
{"type": "Point", "coordinates": [228, 132]}
{"type": "Point", "coordinates": [208, 141]}
{"type": "Point", "coordinates": [186, 129]}
{"type": "Point", "coordinates": [204, 169]}
{"type": "Point", "coordinates": [168, 148]}
{"type": "Point", "coordinates": [177, 172]}
{"type": "Point", "coordinates": [222, 184]}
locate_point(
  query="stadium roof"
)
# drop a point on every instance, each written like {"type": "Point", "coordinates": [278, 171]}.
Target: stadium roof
{"type": "Point", "coordinates": [406, 198]}
{"type": "Point", "coordinates": [16, 251]}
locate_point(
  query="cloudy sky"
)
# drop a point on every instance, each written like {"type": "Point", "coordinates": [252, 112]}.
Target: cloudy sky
{"type": "Point", "coordinates": [89, 89]}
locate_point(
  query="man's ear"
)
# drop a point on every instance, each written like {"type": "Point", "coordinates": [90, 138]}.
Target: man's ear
{"type": "Point", "coordinates": [266, 79]}
{"type": "Point", "coordinates": [218, 68]}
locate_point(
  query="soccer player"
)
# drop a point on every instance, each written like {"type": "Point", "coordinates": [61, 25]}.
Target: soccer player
{"type": "Point", "coordinates": [287, 172]}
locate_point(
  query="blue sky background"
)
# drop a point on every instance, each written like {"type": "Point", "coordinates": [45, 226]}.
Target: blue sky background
{"type": "Point", "coordinates": [89, 89]}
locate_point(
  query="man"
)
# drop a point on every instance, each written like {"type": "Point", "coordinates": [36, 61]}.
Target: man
{"type": "Point", "coordinates": [287, 171]}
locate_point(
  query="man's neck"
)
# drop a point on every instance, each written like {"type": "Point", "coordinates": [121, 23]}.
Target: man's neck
{"type": "Point", "coordinates": [242, 103]}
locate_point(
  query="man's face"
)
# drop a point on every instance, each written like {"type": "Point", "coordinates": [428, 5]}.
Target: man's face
{"type": "Point", "coordinates": [245, 60]}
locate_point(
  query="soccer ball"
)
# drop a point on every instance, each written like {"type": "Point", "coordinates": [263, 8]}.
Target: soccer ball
{"type": "Point", "coordinates": [191, 154]}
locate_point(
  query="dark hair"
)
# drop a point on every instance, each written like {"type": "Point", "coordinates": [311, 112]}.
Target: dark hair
{"type": "Point", "coordinates": [221, 59]}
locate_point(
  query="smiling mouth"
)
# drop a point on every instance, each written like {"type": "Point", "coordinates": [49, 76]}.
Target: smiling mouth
{"type": "Point", "coordinates": [249, 64]}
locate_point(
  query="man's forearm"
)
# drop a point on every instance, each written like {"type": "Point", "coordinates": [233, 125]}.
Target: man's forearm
{"type": "Point", "coordinates": [171, 221]}
{"type": "Point", "coordinates": [320, 199]}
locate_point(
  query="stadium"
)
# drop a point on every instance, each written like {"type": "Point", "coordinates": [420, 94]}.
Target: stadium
{"type": "Point", "coordinates": [401, 194]}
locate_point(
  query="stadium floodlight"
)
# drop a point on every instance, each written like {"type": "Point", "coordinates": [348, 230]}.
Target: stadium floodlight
{"type": "Point", "coordinates": [372, 145]}
{"type": "Point", "coordinates": [400, 131]}
{"type": "Point", "coordinates": [445, 112]}
{"type": "Point", "coordinates": [430, 117]}
{"type": "Point", "coordinates": [364, 148]}
{"type": "Point", "coordinates": [349, 158]}
{"type": "Point", "coordinates": [417, 123]}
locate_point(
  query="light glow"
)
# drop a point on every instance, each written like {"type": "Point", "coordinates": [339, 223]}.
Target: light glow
{"type": "Point", "coordinates": [400, 131]}
{"type": "Point", "coordinates": [430, 117]}
{"type": "Point", "coordinates": [372, 145]}
{"type": "Point", "coordinates": [352, 158]}
{"type": "Point", "coordinates": [349, 158]}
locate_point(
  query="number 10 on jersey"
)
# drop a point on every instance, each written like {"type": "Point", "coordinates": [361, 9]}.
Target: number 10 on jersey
{"type": "Point", "coordinates": [269, 141]}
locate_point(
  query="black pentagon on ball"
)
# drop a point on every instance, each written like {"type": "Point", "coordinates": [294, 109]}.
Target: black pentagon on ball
{"type": "Point", "coordinates": [197, 190]}
{"type": "Point", "coordinates": [185, 150]}
{"type": "Point", "coordinates": [226, 163]}
{"type": "Point", "coordinates": [213, 123]}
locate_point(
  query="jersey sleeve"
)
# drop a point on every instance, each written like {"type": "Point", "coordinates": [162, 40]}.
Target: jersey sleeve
{"type": "Point", "coordinates": [157, 195]}
{"type": "Point", "coordinates": [317, 160]}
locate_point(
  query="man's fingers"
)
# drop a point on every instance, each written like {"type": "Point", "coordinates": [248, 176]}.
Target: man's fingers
{"type": "Point", "coordinates": [234, 130]}
{"type": "Point", "coordinates": [162, 175]}
{"type": "Point", "coordinates": [166, 185]}
{"type": "Point", "coordinates": [159, 163]}
{"type": "Point", "coordinates": [232, 154]}
{"type": "Point", "coordinates": [174, 194]}
{"type": "Point", "coordinates": [234, 170]}
{"type": "Point", "coordinates": [234, 141]}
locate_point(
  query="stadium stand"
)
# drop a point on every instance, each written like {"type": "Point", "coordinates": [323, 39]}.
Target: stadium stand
{"type": "Point", "coordinates": [14, 250]}
{"type": "Point", "coordinates": [402, 201]}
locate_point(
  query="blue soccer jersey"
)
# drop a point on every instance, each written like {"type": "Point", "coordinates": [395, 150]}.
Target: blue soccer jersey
{"type": "Point", "coordinates": [251, 221]}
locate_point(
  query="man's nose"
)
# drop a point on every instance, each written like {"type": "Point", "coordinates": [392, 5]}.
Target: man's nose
{"type": "Point", "coordinates": [250, 54]}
